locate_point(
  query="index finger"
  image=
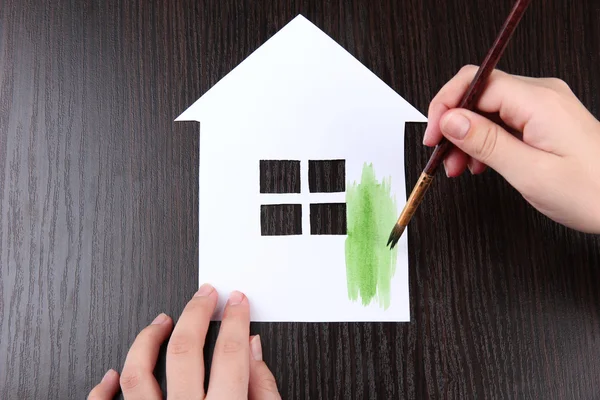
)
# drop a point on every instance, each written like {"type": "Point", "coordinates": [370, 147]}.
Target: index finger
{"type": "Point", "coordinates": [510, 96]}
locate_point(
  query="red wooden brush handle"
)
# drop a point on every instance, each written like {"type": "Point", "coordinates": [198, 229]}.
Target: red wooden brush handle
{"type": "Point", "coordinates": [479, 81]}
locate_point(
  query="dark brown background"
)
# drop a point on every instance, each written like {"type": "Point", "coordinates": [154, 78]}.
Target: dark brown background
{"type": "Point", "coordinates": [99, 190]}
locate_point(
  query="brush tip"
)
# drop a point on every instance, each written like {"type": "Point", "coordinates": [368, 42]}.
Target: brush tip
{"type": "Point", "coordinates": [395, 235]}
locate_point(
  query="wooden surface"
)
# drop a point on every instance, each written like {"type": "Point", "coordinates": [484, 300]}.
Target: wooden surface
{"type": "Point", "coordinates": [99, 190]}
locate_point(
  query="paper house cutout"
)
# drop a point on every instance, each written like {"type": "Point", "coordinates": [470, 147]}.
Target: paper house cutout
{"type": "Point", "coordinates": [298, 99]}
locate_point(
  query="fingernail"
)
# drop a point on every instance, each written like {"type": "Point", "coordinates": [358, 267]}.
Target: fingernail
{"type": "Point", "coordinates": [256, 348]}
{"type": "Point", "coordinates": [235, 298]}
{"type": "Point", "coordinates": [470, 167]}
{"type": "Point", "coordinates": [445, 168]}
{"type": "Point", "coordinates": [425, 135]}
{"type": "Point", "coordinates": [160, 319]}
{"type": "Point", "coordinates": [204, 290]}
{"type": "Point", "coordinates": [455, 125]}
{"type": "Point", "coordinates": [108, 374]}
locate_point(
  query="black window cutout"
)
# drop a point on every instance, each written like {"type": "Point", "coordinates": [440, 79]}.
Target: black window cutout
{"type": "Point", "coordinates": [326, 176]}
{"type": "Point", "coordinates": [328, 219]}
{"type": "Point", "coordinates": [281, 219]}
{"type": "Point", "coordinates": [279, 176]}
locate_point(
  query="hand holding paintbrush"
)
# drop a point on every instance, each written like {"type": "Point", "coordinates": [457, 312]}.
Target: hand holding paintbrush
{"type": "Point", "coordinates": [468, 102]}
{"type": "Point", "coordinates": [555, 166]}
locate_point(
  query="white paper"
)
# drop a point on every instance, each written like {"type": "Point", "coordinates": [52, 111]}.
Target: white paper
{"type": "Point", "coordinates": [300, 96]}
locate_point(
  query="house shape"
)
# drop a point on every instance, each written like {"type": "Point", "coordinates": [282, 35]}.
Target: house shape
{"type": "Point", "coordinates": [281, 136]}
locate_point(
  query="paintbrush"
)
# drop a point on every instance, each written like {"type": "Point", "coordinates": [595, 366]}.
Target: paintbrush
{"type": "Point", "coordinates": [468, 102]}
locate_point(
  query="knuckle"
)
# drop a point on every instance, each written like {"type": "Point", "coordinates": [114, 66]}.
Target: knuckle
{"type": "Point", "coordinates": [267, 383]}
{"type": "Point", "coordinates": [552, 96]}
{"type": "Point", "coordinates": [231, 346]}
{"type": "Point", "coordinates": [233, 314]}
{"type": "Point", "coordinates": [487, 145]}
{"type": "Point", "coordinates": [130, 379]}
{"type": "Point", "coordinates": [558, 84]}
{"type": "Point", "coordinates": [432, 106]}
{"type": "Point", "coordinates": [180, 344]}
{"type": "Point", "coordinates": [468, 69]}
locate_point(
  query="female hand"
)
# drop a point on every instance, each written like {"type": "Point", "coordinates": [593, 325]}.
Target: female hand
{"type": "Point", "coordinates": [237, 370]}
{"type": "Point", "coordinates": [556, 165]}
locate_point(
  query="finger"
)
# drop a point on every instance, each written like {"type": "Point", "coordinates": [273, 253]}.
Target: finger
{"type": "Point", "coordinates": [137, 378]}
{"type": "Point", "coordinates": [262, 384]}
{"type": "Point", "coordinates": [512, 98]}
{"type": "Point", "coordinates": [455, 162]}
{"type": "Point", "coordinates": [492, 145]}
{"type": "Point", "coordinates": [476, 167]}
{"type": "Point", "coordinates": [107, 388]}
{"type": "Point", "coordinates": [185, 358]}
{"type": "Point", "coordinates": [447, 97]}
{"type": "Point", "coordinates": [231, 360]}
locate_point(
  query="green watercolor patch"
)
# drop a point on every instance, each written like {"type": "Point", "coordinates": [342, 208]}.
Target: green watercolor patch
{"type": "Point", "coordinates": [371, 214]}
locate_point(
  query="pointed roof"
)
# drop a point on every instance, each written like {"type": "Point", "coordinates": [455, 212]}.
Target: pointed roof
{"type": "Point", "coordinates": [297, 59]}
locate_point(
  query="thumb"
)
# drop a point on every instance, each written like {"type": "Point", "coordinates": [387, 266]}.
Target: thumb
{"type": "Point", "coordinates": [262, 384]}
{"type": "Point", "coordinates": [489, 143]}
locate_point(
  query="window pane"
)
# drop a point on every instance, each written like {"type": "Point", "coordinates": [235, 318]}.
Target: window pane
{"type": "Point", "coordinates": [279, 176]}
{"type": "Point", "coordinates": [281, 219]}
{"type": "Point", "coordinates": [328, 219]}
{"type": "Point", "coordinates": [326, 176]}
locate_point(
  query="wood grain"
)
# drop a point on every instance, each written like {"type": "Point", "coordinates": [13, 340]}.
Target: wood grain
{"type": "Point", "coordinates": [98, 200]}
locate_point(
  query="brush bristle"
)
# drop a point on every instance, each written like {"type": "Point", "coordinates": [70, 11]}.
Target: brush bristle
{"type": "Point", "coordinates": [395, 235]}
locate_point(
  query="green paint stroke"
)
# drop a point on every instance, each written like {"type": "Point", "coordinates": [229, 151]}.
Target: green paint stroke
{"type": "Point", "coordinates": [371, 215]}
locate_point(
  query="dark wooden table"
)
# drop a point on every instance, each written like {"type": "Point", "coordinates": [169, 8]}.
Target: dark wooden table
{"type": "Point", "coordinates": [99, 190]}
